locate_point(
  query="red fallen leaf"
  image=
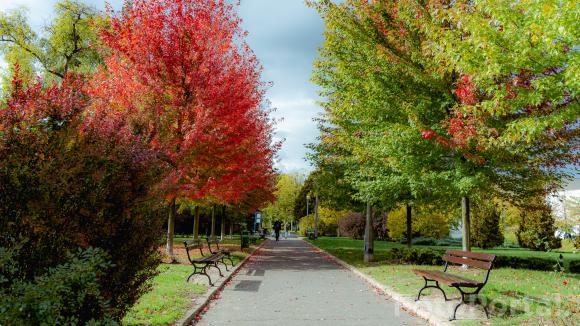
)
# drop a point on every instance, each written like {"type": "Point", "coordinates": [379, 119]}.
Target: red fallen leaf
{"type": "Point", "coordinates": [565, 283]}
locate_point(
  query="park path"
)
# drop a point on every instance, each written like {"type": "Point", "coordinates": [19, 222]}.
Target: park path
{"type": "Point", "coordinates": [288, 283]}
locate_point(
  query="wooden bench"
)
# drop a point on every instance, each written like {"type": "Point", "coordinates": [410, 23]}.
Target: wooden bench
{"type": "Point", "coordinates": [470, 259]}
{"type": "Point", "coordinates": [226, 253]}
{"type": "Point", "coordinates": [201, 264]}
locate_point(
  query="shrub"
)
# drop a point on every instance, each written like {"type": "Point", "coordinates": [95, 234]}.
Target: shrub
{"type": "Point", "coordinates": [62, 189]}
{"type": "Point", "coordinates": [67, 294]}
{"type": "Point", "coordinates": [427, 221]}
{"type": "Point", "coordinates": [418, 256]}
{"type": "Point", "coordinates": [424, 241]}
{"type": "Point", "coordinates": [533, 263]}
{"type": "Point", "coordinates": [536, 229]}
{"type": "Point", "coordinates": [328, 220]}
{"type": "Point", "coordinates": [485, 225]}
{"type": "Point", "coordinates": [574, 266]}
{"type": "Point", "coordinates": [353, 225]}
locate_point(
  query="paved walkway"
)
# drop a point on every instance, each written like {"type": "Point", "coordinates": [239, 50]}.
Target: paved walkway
{"type": "Point", "coordinates": [287, 283]}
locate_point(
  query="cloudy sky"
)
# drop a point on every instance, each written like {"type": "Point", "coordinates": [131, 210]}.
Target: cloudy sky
{"type": "Point", "coordinates": [284, 35]}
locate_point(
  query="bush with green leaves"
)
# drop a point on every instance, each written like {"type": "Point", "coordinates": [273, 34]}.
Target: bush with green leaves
{"type": "Point", "coordinates": [537, 230]}
{"type": "Point", "coordinates": [67, 294]}
{"type": "Point", "coordinates": [485, 225]}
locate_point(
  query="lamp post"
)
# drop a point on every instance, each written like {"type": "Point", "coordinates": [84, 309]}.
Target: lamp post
{"type": "Point", "coordinates": [316, 217]}
{"type": "Point", "coordinates": [307, 200]}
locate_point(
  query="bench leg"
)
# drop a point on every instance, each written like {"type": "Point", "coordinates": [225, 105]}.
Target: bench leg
{"type": "Point", "coordinates": [231, 261]}
{"type": "Point", "coordinates": [473, 298]}
{"type": "Point", "coordinates": [216, 266]}
{"type": "Point", "coordinates": [457, 306]}
{"type": "Point", "coordinates": [427, 286]}
{"type": "Point", "coordinates": [201, 272]}
{"type": "Point", "coordinates": [223, 262]}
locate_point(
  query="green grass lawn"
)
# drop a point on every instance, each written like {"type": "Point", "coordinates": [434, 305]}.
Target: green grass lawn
{"type": "Point", "coordinates": [518, 296]}
{"type": "Point", "coordinates": [171, 296]}
{"type": "Point", "coordinates": [168, 299]}
{"type": "Point", "coordinates": [346, 247]}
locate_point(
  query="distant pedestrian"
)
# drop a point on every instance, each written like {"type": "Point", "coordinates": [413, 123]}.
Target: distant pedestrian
{"type": "Point", "coordinates": [286, 230]}
{"type": "Point", "coordinates": [277, 228]}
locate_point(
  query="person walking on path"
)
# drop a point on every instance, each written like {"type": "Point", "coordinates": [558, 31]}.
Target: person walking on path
{"type": "Point", "coordinates": [277, 228]}
{"type": "Point", "coordinates": [286, 228]}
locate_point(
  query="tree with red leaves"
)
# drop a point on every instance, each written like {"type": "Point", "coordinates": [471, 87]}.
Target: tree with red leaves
{"type": "Point", "coordinates": [181, 77]}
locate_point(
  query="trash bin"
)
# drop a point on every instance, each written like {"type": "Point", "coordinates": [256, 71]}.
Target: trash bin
{"type": "Point", "coordinates": [245, 239]}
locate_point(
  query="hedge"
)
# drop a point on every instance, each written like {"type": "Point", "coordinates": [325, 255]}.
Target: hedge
{"type": "Point", "coordinates": [428, 256]}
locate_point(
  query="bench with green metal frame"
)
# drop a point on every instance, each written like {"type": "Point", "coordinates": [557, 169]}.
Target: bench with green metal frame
{"type": "Point", "coordinates": [201, 264]}
{"type": "Point", "coordinates": [466, 258]}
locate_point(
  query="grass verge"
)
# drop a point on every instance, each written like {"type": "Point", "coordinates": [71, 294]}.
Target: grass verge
{"type": "Point", "coordinates": [516, 296]}
{"type": "Point", "coordinates": [171, 296]}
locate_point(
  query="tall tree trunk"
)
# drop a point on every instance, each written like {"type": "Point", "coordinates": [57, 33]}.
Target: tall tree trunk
{"type": "Point", "coordinates": [409, 226]}
{"type": "Point", "coordinates": [466, 223]}
{"type": "Point", "coordinates": [231, 229]}
{"type": "Point", "coordinates": [170, 229]}
{"type": "Point", "coordinates": [223, 224]}
{"type": "Point", "coordinates": [212, 232]}
{"type": "Point", "coordinates": [316, 218]}
{"type": "Point", "coordinates": [196, 224]}
{"type": "Point", "coordinates": [369, 241]}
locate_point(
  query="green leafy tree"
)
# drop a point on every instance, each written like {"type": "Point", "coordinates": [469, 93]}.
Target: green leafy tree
{"type": "Point", "coordinates": [287, 189]}
{"type": "Point", "coordinates": [537, 230]}
{"type": "Point", "coordinates": [69, 43]}
{"type": "Point", "coordinates": [413, 120]}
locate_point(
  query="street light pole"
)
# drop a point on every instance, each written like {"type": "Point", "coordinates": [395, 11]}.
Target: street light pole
{"type": "Point", "coordinates": [316, 217]}
{"type": "Point", "coordinates": [307, 199]}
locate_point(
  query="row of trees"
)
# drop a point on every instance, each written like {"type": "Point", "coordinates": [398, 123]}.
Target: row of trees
{"type": "Point", "coordinates": [108, 121]}
{"type": "Point", "coordinates": [427, 102]}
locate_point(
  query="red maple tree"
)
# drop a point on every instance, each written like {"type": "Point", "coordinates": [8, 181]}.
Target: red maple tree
{"type": "Point", "coordinates": [180, 76]}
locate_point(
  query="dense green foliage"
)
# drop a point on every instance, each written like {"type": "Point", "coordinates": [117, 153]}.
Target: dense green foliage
{"type": "Point", "coordinates": [426, 102]}
{"type": "Point", "coordinates": [485, 225]}
{"type": "Point", "coordinates": [536, 230]}
{"type": "Point", "coordinates": [287, 189]}
{"type": "Point", "coordinates": [66, 44]}
{"type": "Point", "coordinates": [66, 294]}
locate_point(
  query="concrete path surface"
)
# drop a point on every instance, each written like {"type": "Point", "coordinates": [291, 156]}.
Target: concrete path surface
{"type": "Point", "coordinates": [289, 283]}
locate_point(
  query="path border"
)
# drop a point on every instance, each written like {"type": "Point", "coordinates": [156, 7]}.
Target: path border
{"type": "Point", "coordinates": [206, 298]}
{"type": "Point", "coordinates": [405, 302]}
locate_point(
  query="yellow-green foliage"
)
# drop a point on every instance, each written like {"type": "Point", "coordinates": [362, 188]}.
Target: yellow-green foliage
{"type": "Point", "coordinates": [327, 221]}
{"type": "Point", "coordinates": [427, 222]}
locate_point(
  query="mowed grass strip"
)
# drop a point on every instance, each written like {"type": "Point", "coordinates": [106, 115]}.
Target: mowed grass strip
{"type": "Point", "coordinates": [349, 246]}
{"type": "Point", "coordinates": [517, 296]}
{"type": "Point", "coordinates": [169, 298]}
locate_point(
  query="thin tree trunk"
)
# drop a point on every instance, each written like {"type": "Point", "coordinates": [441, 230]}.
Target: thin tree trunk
{"type": "Point", "coordinates": [409, 226]}
{"type": "Point", "coordinates": [231, 229]}
{"type": "Point", "coordinates": [369, 243]}
{"type": "Point", "coordinates": [212, 232]}
{"type": "Point", "coordinates": [196, 224]}
{"type": "Point", "coordinates": [466, 223]}
{"type": "Point", "coordinates": [170, 229]}
{"type": "Point", "coordinates": [223, 224]}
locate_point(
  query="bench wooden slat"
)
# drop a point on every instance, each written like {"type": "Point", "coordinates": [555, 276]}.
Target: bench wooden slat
{"type": "Point", "coordinates": [469, 254]}
{"type": "Point", "coordinates": [485, 265]}
{"type": "Point", "coordinates": [448, 279]}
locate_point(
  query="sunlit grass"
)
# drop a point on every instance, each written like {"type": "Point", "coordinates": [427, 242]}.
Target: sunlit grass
{"type": "Point", "coordinates": [518, 296]}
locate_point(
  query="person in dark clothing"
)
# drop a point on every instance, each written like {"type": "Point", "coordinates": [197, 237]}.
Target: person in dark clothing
{"type": "Point", "coordinates": [277, 228]}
